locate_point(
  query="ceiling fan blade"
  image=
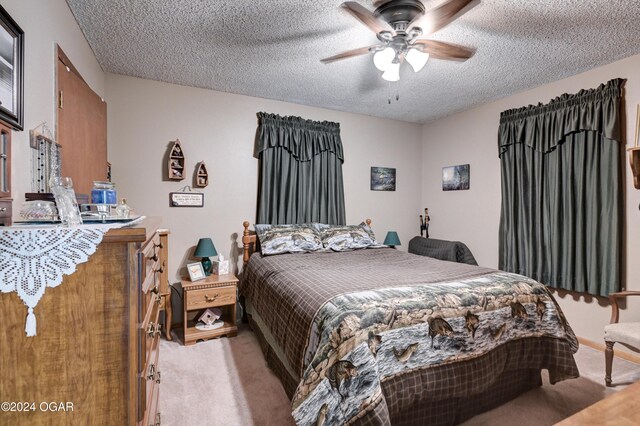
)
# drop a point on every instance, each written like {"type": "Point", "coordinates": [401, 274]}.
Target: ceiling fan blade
{"type": "Point", "coordinates": [447, 51]}
{"type": "Point", "coordinates": [348, 54]}
{"type": "Point", "coordinates": [441, 16]}
{"type": "Point", "coordinates": [365, 16]}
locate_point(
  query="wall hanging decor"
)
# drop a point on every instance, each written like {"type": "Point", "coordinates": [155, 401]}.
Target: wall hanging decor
{"type": "Point", "coordinates": [186, 197]}
{"type": "Point", "coordinates": [45, 158]}
{"type": "Point", "coordinates": [11, 71]}
{"type": "Point", "coordinates": [176, 161]}
{"type": "Point", "coordinates": [383, 179]}
{"type": "Point", "coordinates": [455, 178]}
{"type": "Point", "coordinates": [201, 178]}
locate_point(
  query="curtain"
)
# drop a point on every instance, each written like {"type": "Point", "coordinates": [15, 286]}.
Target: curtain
{"type": "Point", "coordinates": [562, 168]}
{"type": "Point", "coordinates": [300, 171]}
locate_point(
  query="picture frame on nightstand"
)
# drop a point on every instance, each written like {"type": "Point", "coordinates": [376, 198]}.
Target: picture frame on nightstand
{"type": "Point", "coordinates": [196, 271]}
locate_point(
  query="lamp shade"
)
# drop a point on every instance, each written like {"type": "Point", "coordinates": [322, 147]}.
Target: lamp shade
{"type": "Point", "coordinates": [392, 73]}
{"type": "Point", "coordinates": [383, 58]}
{"type": "Point", "coordinates": [392, 239]}
{"type": "Point", "coordinates": [205, 248]}
{"type": "Point", "coordinates": [417, 59]}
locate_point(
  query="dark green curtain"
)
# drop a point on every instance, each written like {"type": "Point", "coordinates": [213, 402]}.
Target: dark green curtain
{"type": "Point", "coordinates": [300, 171]}
{"type": "Point", "coordinates": [562, 190]}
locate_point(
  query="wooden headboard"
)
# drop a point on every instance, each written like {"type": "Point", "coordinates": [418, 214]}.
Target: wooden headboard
{"type": "Point", "coordinates": [250, 241]}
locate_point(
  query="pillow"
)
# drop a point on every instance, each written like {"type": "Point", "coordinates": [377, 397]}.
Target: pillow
{"type": "Point", "coordinates": [278, 239]}
{"type": "Point", "coordinates": [348, 237]}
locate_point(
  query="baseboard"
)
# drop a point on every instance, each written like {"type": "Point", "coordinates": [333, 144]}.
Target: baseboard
{"type": "Point", "coordinates": [622, 354]}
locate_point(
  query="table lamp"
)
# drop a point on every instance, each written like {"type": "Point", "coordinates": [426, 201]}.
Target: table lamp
{"type": "Point", "coordinates": [205, 249]}
{"type": "Point", "coordinates": [392, 239]}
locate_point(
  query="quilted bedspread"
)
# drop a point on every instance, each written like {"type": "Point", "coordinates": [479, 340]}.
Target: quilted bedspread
{"type": "Point", "coordinates": [349, 323]}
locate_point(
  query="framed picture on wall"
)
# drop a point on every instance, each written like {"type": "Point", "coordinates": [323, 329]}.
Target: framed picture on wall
{"type": "Point", "coordinates": [455, 178]}
{"type": "Point", "coordinates": [11, 71]}
{"type": "Point", "coordinates": [383, 179]}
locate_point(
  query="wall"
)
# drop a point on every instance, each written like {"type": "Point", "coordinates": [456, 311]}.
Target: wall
{"type": "Point", "coordinates": [44, 23]}
{"type": "Point", "coordinates": [220, 128]}
{"type": "Point", "coordinates": [473, 216]}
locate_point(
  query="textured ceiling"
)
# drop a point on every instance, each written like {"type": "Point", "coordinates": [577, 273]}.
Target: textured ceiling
{"type": "Point", "coordinates": [272, 49]}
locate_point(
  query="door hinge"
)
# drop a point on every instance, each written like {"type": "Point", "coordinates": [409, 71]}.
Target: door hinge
{"type": "Point", "coordinates": [60, 100]}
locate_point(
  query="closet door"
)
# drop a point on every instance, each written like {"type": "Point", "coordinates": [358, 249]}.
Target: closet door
{"type": "Point", "coordinates": [82, 128]}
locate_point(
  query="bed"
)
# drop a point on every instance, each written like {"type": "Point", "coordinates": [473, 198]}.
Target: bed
{"type": "Point", "coordinates": [378, 336]}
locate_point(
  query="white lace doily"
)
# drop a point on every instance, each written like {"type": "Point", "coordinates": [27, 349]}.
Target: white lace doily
{"type": "Point", "coordinates": [33, 258]}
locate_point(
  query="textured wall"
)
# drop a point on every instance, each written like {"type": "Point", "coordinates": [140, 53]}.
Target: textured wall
{"type": "Point", "coordinates": [44, 24]}
{"type": "Point", "coordinates": [220, 128]}
{"type": "Point", "coordinates": [473, 216]}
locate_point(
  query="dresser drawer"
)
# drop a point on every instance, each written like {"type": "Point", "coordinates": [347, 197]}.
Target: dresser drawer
{"type": "Point", "coordinates": [150, 329]}
{"type": "Point", "coordinates": [150, 385]}
{"type": "Point", "coordinates": [152, 246]}
{"type": "Point", "coordinates": [5, 212]}
{"type": "Point", "coordinates": [152, 415]}
{"type": "Point", "coordinates": [151, 282]}
{"type": "Point", "coordinates": [210, 297]}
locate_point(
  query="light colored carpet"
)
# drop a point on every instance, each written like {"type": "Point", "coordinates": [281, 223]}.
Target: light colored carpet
{"type": "Point", "coordinates": [227, 381]}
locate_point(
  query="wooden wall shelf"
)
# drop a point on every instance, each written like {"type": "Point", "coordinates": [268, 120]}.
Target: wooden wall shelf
{"type": "Point", "coordinates": [202, 176]}
{"type": "Point", "coordinates": [176, 161]}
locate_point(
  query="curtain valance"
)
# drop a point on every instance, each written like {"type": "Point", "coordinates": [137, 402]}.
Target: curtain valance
{"type": "Point", "coordinates": [544, 127]}
{"type": "Point", "coordinates": [304, 139]}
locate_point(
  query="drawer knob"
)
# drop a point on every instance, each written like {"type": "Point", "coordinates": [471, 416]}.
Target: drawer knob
{"type": "Point", "coordinates": [211, 299]}
{"type": "Point", "coordinates": [161, 269]}
{"type": "Point", "coordinates": [155, 289]}
{"type": "Point", "coordinates": [3, 209]}
{"type": "Point", "coordinates": [151, 330]}
{"type": "Point", "coordinates": [152, 372]}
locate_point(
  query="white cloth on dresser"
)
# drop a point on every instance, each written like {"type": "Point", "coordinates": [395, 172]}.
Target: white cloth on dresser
{"type": "Point", "coordinates": [33, 258]}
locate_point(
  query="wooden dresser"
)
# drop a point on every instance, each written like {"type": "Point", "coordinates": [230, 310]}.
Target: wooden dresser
{"type": "Point", "coordinates": [97, 342]}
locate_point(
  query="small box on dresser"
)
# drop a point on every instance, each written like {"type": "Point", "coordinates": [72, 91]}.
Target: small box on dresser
{"type": "Point", "coordinates": [219, 267]}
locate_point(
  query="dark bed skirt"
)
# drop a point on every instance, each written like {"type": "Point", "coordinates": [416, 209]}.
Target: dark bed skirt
{"type": "Point", "coordinates": [289, 383]}
{"type": "Point", "coordinates": [418, 410]}
{"type": "Point", "coordinates": [452, 411]}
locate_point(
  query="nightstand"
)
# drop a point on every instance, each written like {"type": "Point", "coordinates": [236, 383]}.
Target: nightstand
{"type": "Point", "coordinates": [214, 291]}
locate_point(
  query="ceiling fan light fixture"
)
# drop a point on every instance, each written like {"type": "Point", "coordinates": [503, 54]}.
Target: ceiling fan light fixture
{"type": "Point", "coordinates": [417, 59]}
{"type": "Point", "coordinates": [382, 59]}
{"type": "Point", "coordinates": [392, 73]}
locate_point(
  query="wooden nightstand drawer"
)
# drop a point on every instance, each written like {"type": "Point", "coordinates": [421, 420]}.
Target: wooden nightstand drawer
{"type": "Point", "coordinates": [210, 297]}
{"type": "Point", "coordinates": [213, 291]}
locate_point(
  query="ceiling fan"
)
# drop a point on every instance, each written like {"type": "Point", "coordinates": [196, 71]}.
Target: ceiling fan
{"type": "Point", "coordinates": [398, 24]}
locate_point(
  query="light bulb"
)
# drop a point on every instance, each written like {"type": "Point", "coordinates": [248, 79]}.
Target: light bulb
{"type": "Point", "coordinates": [382, 58]}
{"type": "Point", "coordinates": [417, 59]}
{"type": "Point", "coordinates": [392, 73]}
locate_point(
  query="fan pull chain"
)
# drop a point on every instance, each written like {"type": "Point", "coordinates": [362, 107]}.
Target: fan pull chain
{"type": "Point", "coordinates": [389, 94]}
